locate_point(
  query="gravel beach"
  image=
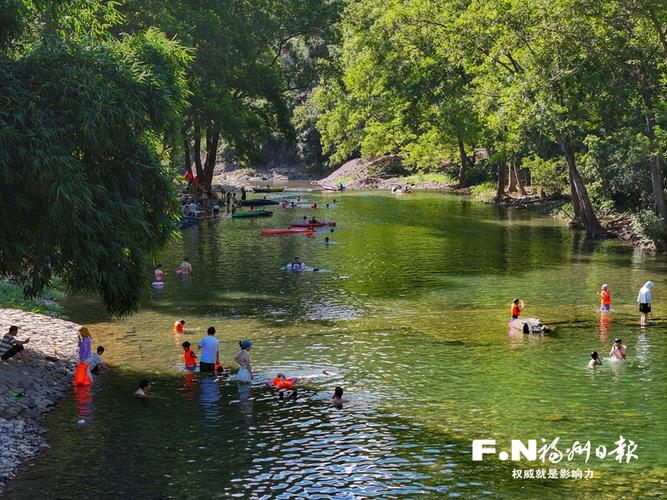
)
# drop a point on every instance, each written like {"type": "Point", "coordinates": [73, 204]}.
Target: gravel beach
{"type": "Point", "coordinates": [29, 390]}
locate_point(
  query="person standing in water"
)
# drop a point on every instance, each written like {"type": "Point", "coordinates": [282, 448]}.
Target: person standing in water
{"type": "Point", "coordinates": [185, 267]}
{"type": "Point", "coordinates": [243, 360]}
{"type": "Point", "coordinates": [595, 360]}
{"type": "Point", "coordinates": [85, 344]}
{"type": "Point", "coordinates": [618, 350]}
{"type": "Point", "coordinates": [209, 354]}
{"type": "Point", "coordinates": [644, 301]}
{"type": "Point", "coordinates": [159, 273]}
{"type": "Point", "coordinates": [605, 298]}
{"type": "Point", "coordinates": [243, 194]}
{"type": "Point", "coordinates": [517, 308]}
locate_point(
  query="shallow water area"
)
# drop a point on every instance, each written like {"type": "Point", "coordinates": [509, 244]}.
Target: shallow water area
{"type": "Point", "coordinates": [411, 317]}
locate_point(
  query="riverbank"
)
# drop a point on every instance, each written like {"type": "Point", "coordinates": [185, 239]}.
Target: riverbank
{"type": "Point", "coordinates": [30, 389]}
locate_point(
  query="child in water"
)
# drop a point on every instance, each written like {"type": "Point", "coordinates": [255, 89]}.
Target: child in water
{"type": "Point", "coordinates": [144, 389]}
{"type": "Point", "coordinates": [189, 357]}
{"type": "Point", "coordinates": [595, 360]}
{"type": "Point", "coordinates": [179, 326]}
{"type": "Point", "coordinates": [605, 298]}
{"type": "Point", "coordinates": [517, 307]}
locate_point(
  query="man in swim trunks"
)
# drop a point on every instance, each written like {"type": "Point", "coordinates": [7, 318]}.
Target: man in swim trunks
{"type": "Point", "coordinates": [618, 350]}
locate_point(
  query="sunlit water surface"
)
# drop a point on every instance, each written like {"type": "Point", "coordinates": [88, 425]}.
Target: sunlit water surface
{"type": "Point", "coordinates": [411, 313]}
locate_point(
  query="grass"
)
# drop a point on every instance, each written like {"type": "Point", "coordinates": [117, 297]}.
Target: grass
{"type": "Point", "coordinates": [436, 177]}
{"type": "Point", "coordinates": [484, 192]}
{"type": "Point", "coordinates": [11, 296]}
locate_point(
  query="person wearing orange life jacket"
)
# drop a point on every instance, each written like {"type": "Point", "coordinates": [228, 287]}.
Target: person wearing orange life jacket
{"type": "Point", "coordinates": [517, 307]}
{"type": "Point", "coordinates": [189, 357]}
{"type": "Point", "coordinates": [179, 326]}
{"type": "Point", "coordinates": [605, 298]}
{"type": "Point", "coordinates": [283, 383]}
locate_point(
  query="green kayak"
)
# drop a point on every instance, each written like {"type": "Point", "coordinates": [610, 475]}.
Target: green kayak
{"type": "Point", "coordinates": [254, 213]}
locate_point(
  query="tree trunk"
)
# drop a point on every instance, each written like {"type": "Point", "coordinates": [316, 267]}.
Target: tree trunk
{"type": "Point", "coordinates": [197, 151]}
{"type": "Point", "coordinates": [511, 187]}
{"type": "Point", "coordinates": [519, 182]}
{"type": "Point", "coordinates": [502, 175]}
{"type": "Point", "coordinates": [186, 150]}
{"type": "Point", "coordinates": [579, 192]}
{"type": "Point", "coordinates": [465, 162]}
{"type": "Point", "coordinates": [212, 140]}
{"type": "Point", "coordinates": [655, 160]}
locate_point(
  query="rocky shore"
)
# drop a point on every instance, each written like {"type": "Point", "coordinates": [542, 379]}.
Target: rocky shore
{"type": "Point", "coordinates": [29, 390]}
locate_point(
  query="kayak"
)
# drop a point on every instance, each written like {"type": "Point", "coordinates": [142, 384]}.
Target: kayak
{"type": "Point", "coordinates": [299, 230]}
{"type": "Point", "coordinates": [305, 223]}
{"type": "Point", "coordinates": [256, 213]}
{"type": "Point", "coordinates": [269, 189]}
{"type": "Point", "coordinates": [258, 203]}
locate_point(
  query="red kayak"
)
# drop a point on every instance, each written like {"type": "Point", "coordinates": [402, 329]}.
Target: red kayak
{"type": "Point", "coordinates": [305, 223]}
{"type": "Point", "coordinates": [304, 230]}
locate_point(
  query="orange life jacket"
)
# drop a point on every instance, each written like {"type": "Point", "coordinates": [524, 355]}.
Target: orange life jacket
{"type": "Point", "coordinates": [178, 327]}
{"type": "Point", "coordinates": [190, 358]}
{"type": "Point", "coordinates": [605, 297]}
{"type": "Point", "coordinates": [282, 383]}
{"type": "Point", "coordinates": [516, 309]}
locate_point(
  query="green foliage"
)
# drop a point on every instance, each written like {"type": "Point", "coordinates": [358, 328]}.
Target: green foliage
{"type": "Point", "coordinates": [652, 225]}
{"type": "Point", "coordinates": [49, 302]}
{"type": "Point", "coordinates": [80, 167]}
{"type": "Point", "coordinates": [484, 192]}
{"type": "Point", "coordinates": [550, 175]}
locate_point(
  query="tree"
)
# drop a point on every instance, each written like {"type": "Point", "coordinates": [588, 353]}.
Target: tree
{"type": "Point", "coordinates": [82, 118]}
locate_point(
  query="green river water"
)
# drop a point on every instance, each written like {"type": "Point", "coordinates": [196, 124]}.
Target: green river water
{"type": "Point", "coordinates": [411, 313]}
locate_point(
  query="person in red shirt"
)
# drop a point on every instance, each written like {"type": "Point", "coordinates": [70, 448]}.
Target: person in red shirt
{"type": "Point", "coordinates": [179, 326]}
{"type": "Point", "coordinates": [605, 298]}
{"type": "Point", "coordinates": [189, 357]}
{"type": "Point", "coordinates": [517, 307]}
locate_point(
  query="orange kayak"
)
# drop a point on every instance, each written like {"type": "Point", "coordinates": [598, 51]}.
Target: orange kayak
{"type": "Point", "coordinates": [292, 230]}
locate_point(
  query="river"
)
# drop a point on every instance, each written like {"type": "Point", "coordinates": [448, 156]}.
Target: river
{"type": "Point", "coordinates": [410, 312]}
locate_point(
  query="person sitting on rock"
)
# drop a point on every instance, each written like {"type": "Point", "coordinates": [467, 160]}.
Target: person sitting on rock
{"type": "Point", "coordinates": [10, 346]}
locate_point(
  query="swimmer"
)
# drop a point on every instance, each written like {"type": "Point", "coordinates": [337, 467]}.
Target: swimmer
{"type": "Point", "coordinates": [326, 240]}
{"type": "Point", "coordinates": [297, 264]}
{"type": "Point", "coordinates": [595, 360]}
{"type": "Point", "coordinates": [327, 205]}
{"type": "Point", "coordinates": [281, 382]}
{"type": "Point", "coordinates": [517, 308]}
{"type": "Point", "coordinates": [618, 350]}
{"type": "Point", "coordinates": [159, 273]}
{"type": "Point", "coordinates": [337, 399]}
{"type": "Point", "coordinates": [605, 298]}
{"type": "Point", "coordinates": [179, 326]}
{"type": "Point", "coordinates": [144, 389]}
{"type": "Point", "coordinates": [189, 357]}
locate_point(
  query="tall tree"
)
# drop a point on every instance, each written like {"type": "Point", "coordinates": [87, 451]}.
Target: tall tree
{"type": "Point", "coordinates": [82, 117]}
